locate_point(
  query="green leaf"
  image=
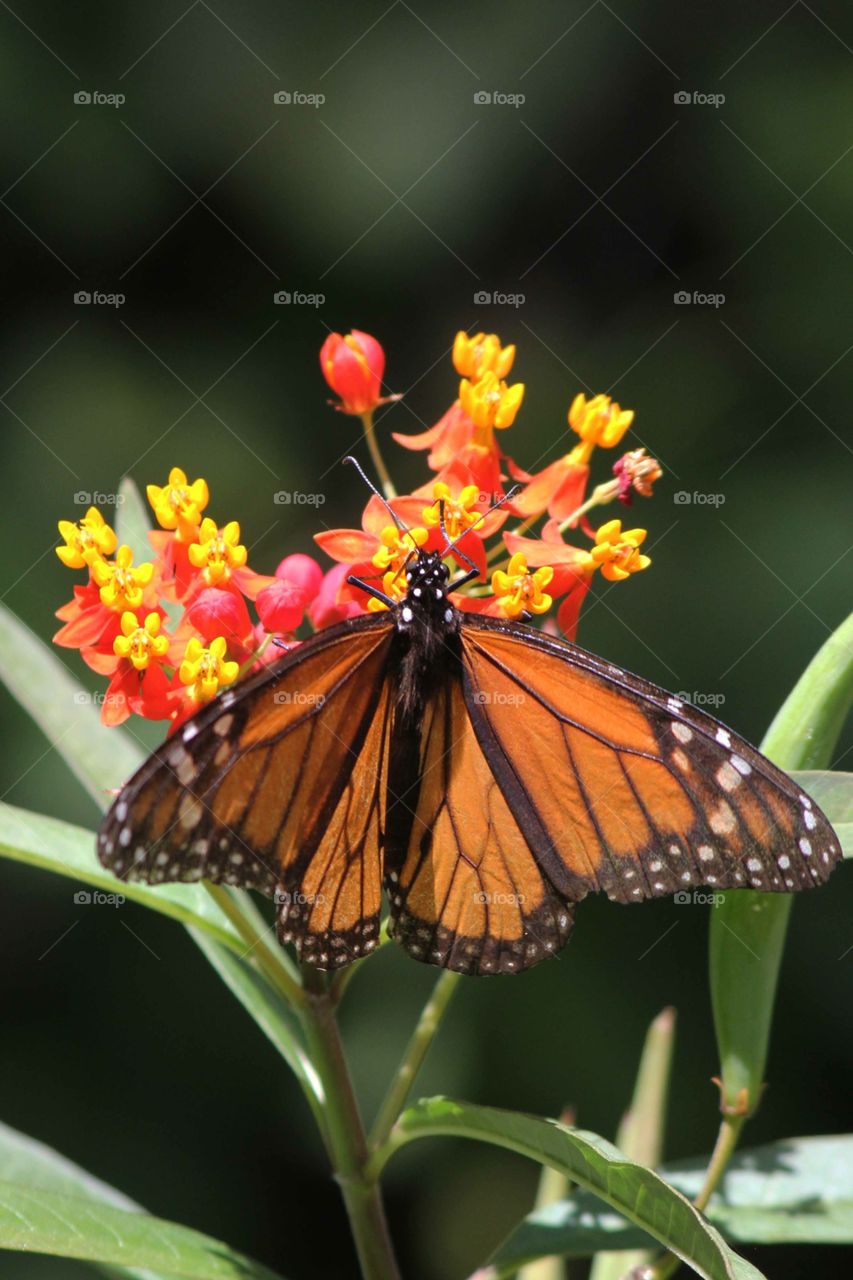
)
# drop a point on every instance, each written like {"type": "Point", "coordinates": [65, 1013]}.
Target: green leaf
{"type": "Point", "coordinates": [796, 1191]}
{"type": "Point", "coordinates": [31, 1164]}
{"type": "Point", "coordinates": [100, 758]}
{"type": "Point", "coordinates": [33, 1220]}
{"type": "Point", "coordinates": [833, 791]}
{"type": "Point", "coordinates": [70, 851]}
{"type": "Point", "coordinates": [748, 929]}
{"type": "Point", "coordinates": [593, 1163]}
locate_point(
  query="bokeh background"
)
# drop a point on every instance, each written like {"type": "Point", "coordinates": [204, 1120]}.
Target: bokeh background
{"type": "Point", "coordinates": [400, 197]}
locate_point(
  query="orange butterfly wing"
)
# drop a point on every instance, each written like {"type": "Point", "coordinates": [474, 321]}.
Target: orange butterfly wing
{"type": "Point", "coordinates": [277, 786]}
{"type": "Point", "coordinates": [465, 889]}
{"type": "Point", "coordinates": [625, 788]}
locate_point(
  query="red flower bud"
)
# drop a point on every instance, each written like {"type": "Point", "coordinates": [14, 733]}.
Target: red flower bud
{"type": "Point", "coordinates": [281, 605]}
{"type": "Point", "coordinates": [302, 571]}
{"type": "Point", "coordinates": [353, 366]}
{"type": "Point", "coordinates": [217, 612]}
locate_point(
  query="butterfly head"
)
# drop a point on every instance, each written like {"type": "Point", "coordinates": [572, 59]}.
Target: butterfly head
{"type": "Point", "coordinates": [426, 601]}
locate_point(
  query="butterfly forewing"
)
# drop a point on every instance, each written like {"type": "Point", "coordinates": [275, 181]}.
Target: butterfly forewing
{"type": "Point", "coordinates": [269, 783]}
{"type": "Point", "coordinates": [635, 793]}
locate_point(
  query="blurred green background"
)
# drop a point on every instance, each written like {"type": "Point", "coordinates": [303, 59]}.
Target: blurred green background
{"type": "Point", "coordinates": [399, 198]}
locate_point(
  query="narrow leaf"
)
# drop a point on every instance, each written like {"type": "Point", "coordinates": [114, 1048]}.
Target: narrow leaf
{"type": "Point", "coordinates": [132, 521]}
{"type": "Point", "coordinates": [748, 929]}
{"type": "Point", "coordinates": [593, 1163]}
{"type": "Point", "coordinates": [39, 1221]}
{"type": "Point", "coordinates": [833, 791]}
{"type": "Point", "coordinates": [100, 758]}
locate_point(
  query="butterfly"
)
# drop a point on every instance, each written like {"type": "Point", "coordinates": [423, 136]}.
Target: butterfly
{"type": "Point", "coordinates": [486, 775]}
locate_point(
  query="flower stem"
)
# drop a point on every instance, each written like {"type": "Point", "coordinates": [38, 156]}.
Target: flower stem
{"type": "Point", "coordinates": [346, 1136]}
{"type": "Point", "coordinates": [727, 1139]}
{"type": "Point", "coordinates": [378, 461]}
{"type": "Point", "coordinates": [416, 1051]}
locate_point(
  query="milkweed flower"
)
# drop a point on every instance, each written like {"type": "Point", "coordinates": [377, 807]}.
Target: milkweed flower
{"type": "Point", "coordinates": [599, 421]}
{"type": "Point", "coordinates": [353, 366]}
{"type": "Point", "coordinates": [616, 553]}
{"type": "Point", "coordinates": [490, 404]}
{"type": "Point", "coordinates": [520, 591]}
{"type": "Point", "coordinates": [206, 670]}
{"type": "Point", "coordinates": [121, 583]}
{"type": "Point", "coordinates": [140, 643]}
{"type": "Point", "coordinates": [636, 473]}
{"type": "Point", "coordinates": [178, 505]}
{"type": "Point", "coordinates": [88, 540]}
{"type": "Point", "coordinates": [480, 354]}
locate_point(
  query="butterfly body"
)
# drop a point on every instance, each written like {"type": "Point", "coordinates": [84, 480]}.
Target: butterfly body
{"type": "Point", "coordinates": [486, 775]}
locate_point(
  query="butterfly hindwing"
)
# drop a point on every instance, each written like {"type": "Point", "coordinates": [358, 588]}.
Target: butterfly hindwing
{"type": "Point", "coordinates": [634, 792]}
{"type": "Point", "coordinates": [270, 782]}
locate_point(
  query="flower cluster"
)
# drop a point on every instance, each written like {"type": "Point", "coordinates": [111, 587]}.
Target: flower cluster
{"type": "Point", "coordinates": [170, 632]}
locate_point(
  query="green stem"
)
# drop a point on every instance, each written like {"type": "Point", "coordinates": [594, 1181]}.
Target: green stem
{"type": "Point", "coordinates": [727, 1140]}
{"type": "Point", "coordinates": [346, 1136]}
{"type": "Point", "coordinates": [416, 1051]}
{"type": "Point", "coordinates": [378, 461]}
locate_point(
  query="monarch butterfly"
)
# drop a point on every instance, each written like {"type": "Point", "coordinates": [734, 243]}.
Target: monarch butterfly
{"type": "Point", "coordinates": [487, 774]}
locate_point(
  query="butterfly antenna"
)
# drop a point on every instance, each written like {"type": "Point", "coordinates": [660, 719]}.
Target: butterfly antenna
{"type": "Point", "coordinates": [372, 487]}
